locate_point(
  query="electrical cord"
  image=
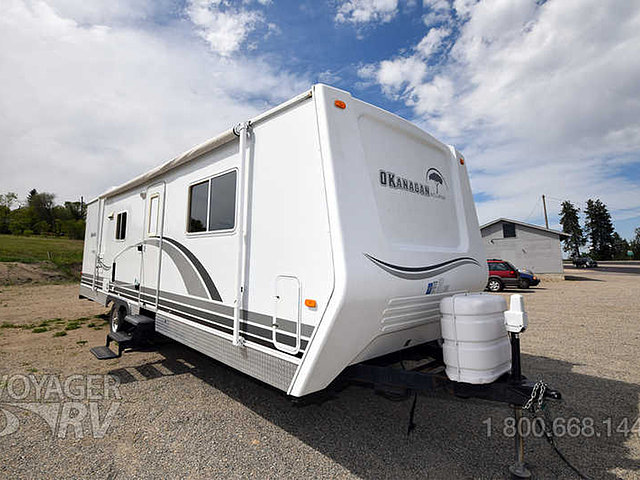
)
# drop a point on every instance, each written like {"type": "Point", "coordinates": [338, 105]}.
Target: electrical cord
{"type": "Point", "coordinates": [566, 460]}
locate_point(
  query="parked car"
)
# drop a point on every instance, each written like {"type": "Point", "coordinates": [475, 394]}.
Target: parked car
{"type": "Point", "coordinates": [501, 274]}
{"type": "Point", "coordinates": [527, 278]}
{"type": "Point", "coordinates": [585, 262]}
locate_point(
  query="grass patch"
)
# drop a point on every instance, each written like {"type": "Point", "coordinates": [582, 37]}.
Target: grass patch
{"type": "Point", "coordinates": [64, 253]}
{"type": "Point", "coordinates": [60, 334]}
{"type": "Point", "coordinates": [40, 330]}
{"type": "Point", "coordinates": [26, 326]}
{"type": "Point", "coordinates": [32, 370]}
{"type": "Point", "coordinates": [72, 326]}
{"type": "Point", "coordinates": [81, 342]}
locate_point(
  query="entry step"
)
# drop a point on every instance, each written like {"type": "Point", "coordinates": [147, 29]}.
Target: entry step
{"type": "Point", "coordinates": [103, 353]}
{"type": "Point", "coordinates": [120, 337]}
{"type": "Point", "coordinates": [137, 320]}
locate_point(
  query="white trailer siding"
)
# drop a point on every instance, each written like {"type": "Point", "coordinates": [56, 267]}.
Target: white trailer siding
{"type": "Point", "coordinates": [376, 310]}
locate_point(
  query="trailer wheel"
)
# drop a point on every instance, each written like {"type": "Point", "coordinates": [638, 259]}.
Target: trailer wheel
{"type": "Point", "coordinates": [116, 317]}
{"type": "Point", "coordinates": [495, 285]}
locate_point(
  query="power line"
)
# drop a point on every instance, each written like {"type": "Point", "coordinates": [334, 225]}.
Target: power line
{"type": "Point", "coordinates": [533, 209]}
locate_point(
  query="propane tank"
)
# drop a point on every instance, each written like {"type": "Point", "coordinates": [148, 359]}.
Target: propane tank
{"type": "Point", "coordinates": [476, 347]}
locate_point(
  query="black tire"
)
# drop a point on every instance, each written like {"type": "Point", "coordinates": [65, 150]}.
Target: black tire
{"type": "Point", "coordinates": [495, 285]}
{"type": "Point", "coordinates": [116, 317]}
{"type": "Point", "coordinates": [523, 283]}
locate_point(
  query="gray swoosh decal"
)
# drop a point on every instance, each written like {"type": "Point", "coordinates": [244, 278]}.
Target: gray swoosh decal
{"type": "Point", "coordinates": [421, 273]}
{"type": "Point", "coordinates": [191, 270]}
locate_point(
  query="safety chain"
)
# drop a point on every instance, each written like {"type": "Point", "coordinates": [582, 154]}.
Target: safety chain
{"type": "Point", "coordinates": [538, 409]}
{"type": "Point", "coordinates": [537, 395]}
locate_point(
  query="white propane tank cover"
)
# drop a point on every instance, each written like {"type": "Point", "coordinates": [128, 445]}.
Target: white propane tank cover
{"type": "Point", "coordinates": [476, 347]}
{"type": "Point", "coordinates": [515, 319]}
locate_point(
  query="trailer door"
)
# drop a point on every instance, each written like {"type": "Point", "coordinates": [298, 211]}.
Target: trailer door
{"type": "Point", "coordinates": [152, 246]}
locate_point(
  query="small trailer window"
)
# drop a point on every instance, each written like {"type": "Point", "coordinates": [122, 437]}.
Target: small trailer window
{"type": "Point", "coordinates": [153, 215]}
{"type": "Point", "coordinates": [198, 198]}
{"type": "Point", "coordinates": [212, 204]}
{"type": "Point", "coordinates": [121, 226]}
{"type": "Point", "coordinates": [222, 204]}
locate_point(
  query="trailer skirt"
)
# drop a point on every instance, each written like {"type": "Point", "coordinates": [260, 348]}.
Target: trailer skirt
{"type": "Point", "coordinates": [269, 368]}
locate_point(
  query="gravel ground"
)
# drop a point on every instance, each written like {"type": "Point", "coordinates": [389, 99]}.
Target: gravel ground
{"type": "Point", "coordinates": [183, 415]}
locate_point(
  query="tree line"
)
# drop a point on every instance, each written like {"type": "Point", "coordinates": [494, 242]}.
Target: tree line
{"type": "Point", "coordinates": [39, 215]}
{"type": "Point", "coordinates": [604, 242]}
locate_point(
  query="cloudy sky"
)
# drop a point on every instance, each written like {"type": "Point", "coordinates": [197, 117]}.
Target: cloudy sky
{"type": "Point", "coordinates": [542, 97]}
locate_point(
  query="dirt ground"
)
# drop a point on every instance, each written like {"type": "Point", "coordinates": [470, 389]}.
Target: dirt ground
{"type": "Point", "coordinates": [15, 273]}
{"type": "Point", "coordinates": [183, 415]}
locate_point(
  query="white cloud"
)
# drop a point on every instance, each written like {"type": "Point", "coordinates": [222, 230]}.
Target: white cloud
{"type": "Point", "coordinates": [85, 107]}
{"type": "Point", "coordinates": [432, 41]}
{"type": "Point", "coordinates": [394, 74]}
{"type": "Point", "coordinates": [366, 11]}
{"type": "Point", "coordinates": [224, 27]}
{"type": "Point", "coordinates": [542, 97]}
{"type": "Point", "coordinates": [107, 11]}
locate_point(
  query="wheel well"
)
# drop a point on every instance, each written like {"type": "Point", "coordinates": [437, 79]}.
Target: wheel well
{"type": "Point", "coordinates": [119, 304]}
{"type": "Point", "coordinates": [495, 278]}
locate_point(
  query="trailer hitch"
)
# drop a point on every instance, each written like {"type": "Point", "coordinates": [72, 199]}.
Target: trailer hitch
{"type": "Point", "coordinates": [504, 390]}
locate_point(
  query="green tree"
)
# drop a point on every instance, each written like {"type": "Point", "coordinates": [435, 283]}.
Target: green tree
{"type": "Point", "coordinates": [620, 247]}
{"type": "Point", "coordinates": [571, 225]}
{"type": "Point", "coordinates": [76, 210]}
{"type": "Point", "coordinates": [599, 229]}
{"type": "Point", "coordinates": [4, 219]}
{"type": "Point", "coordinates": [21, 220]}
{"type": "Point", "coordinates": [42, 205]}
{"type": "Point", "coordinates": [634, 245]}
{"type": "Point", "coordinates": [8, 199]}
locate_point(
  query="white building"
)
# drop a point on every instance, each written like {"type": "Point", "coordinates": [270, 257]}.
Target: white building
{"type": "Point", "coordinates": [524, 245]}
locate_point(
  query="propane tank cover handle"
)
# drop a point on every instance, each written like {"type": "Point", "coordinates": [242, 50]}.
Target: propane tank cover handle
{"type": "Point", "coordinates": [515, 319]}
{"type": "Point", "coordinates": [517, 303]}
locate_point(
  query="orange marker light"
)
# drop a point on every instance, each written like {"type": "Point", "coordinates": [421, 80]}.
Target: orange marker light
{"type": "Point", "coordinates": [310, 303]}
{"type": "Point", "coordinates": [340, 104]}
{"type": "Point", "coordinates": [461, 161]}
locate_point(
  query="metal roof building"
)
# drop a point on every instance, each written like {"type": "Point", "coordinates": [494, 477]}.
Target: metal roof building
{"type": "Point", "coordinates": [526, 246]}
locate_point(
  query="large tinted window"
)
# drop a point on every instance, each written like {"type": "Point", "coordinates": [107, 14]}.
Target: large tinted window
{"type": "Point", "coordinates": [508, 230]}
{"type": "Point", "coordinates": [198, 199]}
{"type": "Point", "coordinates": [222, 209]}
{"type": "Point", "coordinates": [497, 266]}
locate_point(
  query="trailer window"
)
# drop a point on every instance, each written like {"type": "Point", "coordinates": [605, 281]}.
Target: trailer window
{"type": "Point", "coordinates": [222, 206]}
{"type": "Point", "coordinates": [198, 199]}
{"type": "Point", "coordinates": [153, 215]}
{"type": "Point", "coordinates": [121, 226]}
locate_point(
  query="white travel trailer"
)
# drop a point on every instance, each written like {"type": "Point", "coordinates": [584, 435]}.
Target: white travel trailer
{"type": "Point", "coordinates": [318, 243]}
{"type": "Point", "coordinates": [321, 234]}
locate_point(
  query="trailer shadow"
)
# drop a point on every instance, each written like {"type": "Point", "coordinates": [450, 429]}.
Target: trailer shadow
{"type": "Point", "coordinates": [367, 434]}
{"type": "Point", "coordinates": [575, 278]}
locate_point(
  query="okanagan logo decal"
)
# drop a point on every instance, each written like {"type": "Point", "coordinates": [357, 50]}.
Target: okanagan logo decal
{"type": "Point", "coordinates": [434, 184]}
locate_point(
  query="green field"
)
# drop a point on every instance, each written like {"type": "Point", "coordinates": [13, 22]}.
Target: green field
{"type": "Point", "coordinates": [64, 253]}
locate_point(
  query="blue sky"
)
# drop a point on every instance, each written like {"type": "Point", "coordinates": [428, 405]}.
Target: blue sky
{"type": "Point", "coordinates": [540, 96]}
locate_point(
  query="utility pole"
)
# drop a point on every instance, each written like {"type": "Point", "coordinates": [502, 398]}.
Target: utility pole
{"type": "Point", "coordinates": [544, 206]}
